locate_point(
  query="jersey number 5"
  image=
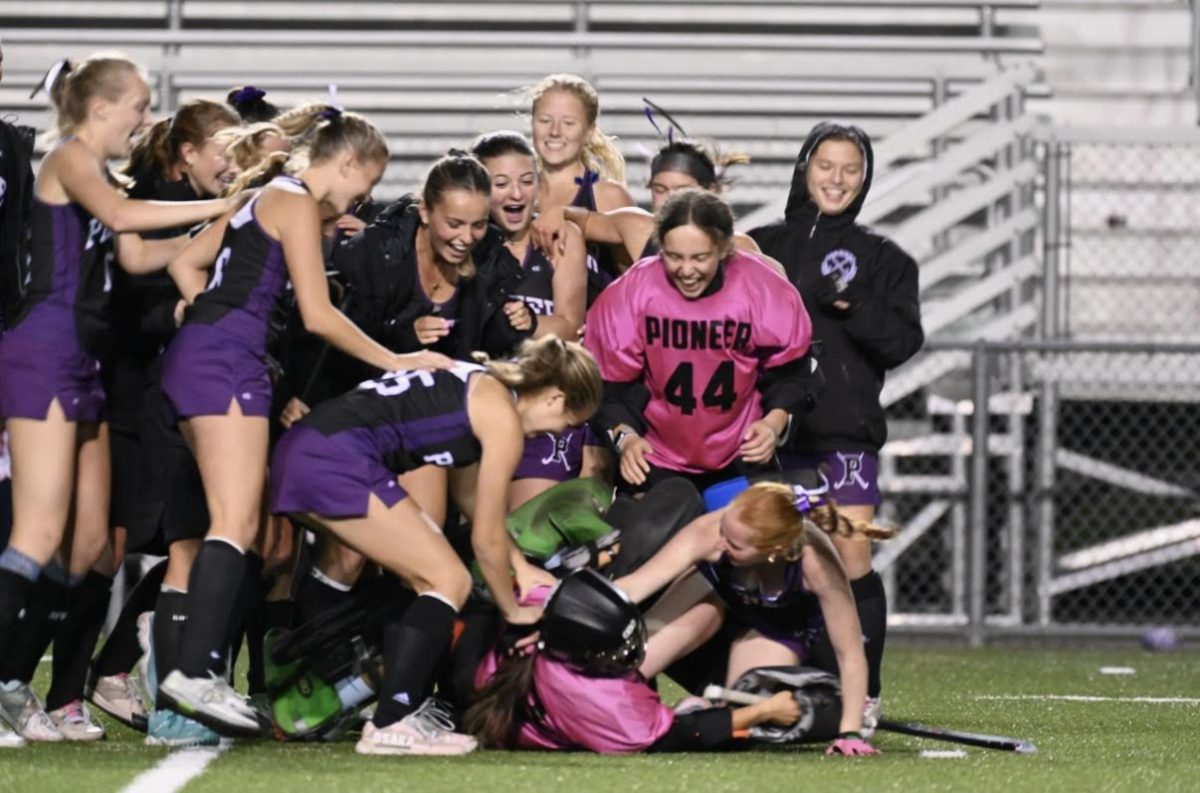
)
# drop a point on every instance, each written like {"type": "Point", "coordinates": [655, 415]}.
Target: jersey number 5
{"type": "Point", "coordinates": [719, 393]}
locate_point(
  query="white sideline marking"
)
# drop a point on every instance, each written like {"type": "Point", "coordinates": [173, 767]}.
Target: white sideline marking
{"type": "Point", "coordinates": [174, 771]}
{"type": "Point", "coordinates": [1083, 698]}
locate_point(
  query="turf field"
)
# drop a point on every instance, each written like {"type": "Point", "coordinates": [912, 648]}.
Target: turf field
{"type": "Point", "coordinates": [1129, 742]}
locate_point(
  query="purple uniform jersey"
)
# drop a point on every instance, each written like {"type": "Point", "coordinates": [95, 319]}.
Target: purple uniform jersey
{"type": "Point", "coordinates": [791, 617]}
{"type": "Point", "coordinates": [220, 352]}
{"type": "Point", "coordinates": [331, 461]}
{"type": "Point", "coordinates": [60, 330]}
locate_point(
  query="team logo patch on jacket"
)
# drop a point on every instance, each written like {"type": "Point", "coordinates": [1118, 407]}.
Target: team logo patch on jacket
{"type": "Point", "coordinates": [842, 262]}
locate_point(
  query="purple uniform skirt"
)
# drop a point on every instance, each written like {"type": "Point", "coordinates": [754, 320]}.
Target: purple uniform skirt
{"type": "Point", "coordinates": [206, 368]}
{"type": "Point", "coordinates": [853, 476]}
{"type": "Point", "coordinates": [40, 361]}
{"type": "Point", "coordinates": [328, 476]}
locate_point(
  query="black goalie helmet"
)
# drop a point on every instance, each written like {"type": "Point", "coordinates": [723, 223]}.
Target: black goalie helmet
{"type": "Point", "coordinates": [593, 626]}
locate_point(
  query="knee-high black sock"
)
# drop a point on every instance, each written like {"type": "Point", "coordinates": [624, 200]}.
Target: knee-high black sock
{"type": "Point", "coordinates": [248, 597]}
{"type": "Point", "coordinates": [871, 599]}
{"type": "Point", "coordinates": [15, 590]}
{"type": "Point", "coordinates": [121, 650]}
{"type": "Point", "coordinates": [412, 647]}
{"type": "Point", "coordinates": [76, 639]}
{"type": "Point", "coordinates": [213, 588]}
{"type": "Point", "coordinates": [318, 594]}
{"type": "Point", "coordinates": [44, 611]}
{"type": "Point", "coordinates": [170, 623]}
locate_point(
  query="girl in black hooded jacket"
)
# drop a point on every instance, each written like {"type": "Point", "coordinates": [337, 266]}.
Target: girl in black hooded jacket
{"type": "Point", "coordinates": [861, 292]}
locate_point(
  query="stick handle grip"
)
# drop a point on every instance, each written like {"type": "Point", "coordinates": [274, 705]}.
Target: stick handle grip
{"type": "Point", "coordinates": [734, 697]}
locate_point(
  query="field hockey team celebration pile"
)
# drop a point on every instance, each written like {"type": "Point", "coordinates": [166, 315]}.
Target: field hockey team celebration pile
{"type": "Point", "coordinates": [467, 469]}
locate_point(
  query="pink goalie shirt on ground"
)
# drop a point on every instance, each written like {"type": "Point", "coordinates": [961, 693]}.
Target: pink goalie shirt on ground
{"type": "Point", "coordinates": [700, 359]}
{"type": "Point", "coordinates": [608, 715]}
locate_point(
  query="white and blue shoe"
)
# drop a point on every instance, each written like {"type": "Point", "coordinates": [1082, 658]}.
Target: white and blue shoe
{"type": "Point", "coordinates": [210, 701]}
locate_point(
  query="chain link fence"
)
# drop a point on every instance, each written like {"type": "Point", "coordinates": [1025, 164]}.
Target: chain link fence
{"type": "Point", "coordinates": [1129, 237]}
{"type": "Point", "coordinates": [1083, 515]}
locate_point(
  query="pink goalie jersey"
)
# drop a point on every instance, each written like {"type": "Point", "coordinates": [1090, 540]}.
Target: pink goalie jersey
{"type": "Point", "coordinates": [700, 359]}
{"type": "Point", "coordinates": [609, 715]}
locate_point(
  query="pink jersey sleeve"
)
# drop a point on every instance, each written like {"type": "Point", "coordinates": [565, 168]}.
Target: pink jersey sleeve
{"type": "Point", "coordinates": [785, 331]}
{"type": "Point", "coordinates": [613, 332]}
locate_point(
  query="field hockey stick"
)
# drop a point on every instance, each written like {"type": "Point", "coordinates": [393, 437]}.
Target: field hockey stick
{"type": "Point", "coordinates": [998, 742]}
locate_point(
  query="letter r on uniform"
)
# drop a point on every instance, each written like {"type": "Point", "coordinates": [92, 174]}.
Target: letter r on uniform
{"type": "Point", "coordinates": [852, 465]}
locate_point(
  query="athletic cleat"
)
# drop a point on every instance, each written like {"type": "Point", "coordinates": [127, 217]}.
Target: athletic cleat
{"type": "Point", "coordinates": [872, 713]}
{"type": "Point", "coordinates": [8, 738]}
{"type": "Point", "coordinates": [426, 731]}
{"type": "Point", "coordinates": [168, 728]}
{"type": "Point", "coordinates": [210, 701]}
{"type": "Point", "coordinates": [75, 722]}
{"type": "Point", "coordinates": [25, 714]}
{"type": "Point", "coordinates": [120, 697]}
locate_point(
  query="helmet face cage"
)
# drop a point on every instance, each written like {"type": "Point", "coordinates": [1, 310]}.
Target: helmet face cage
{"type": "Point", "coordinates": [620, 661]}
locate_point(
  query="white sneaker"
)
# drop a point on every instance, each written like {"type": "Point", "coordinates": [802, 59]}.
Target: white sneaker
{"type": "Point", "coordinates": [872, 713]}
{"type": "Point", "coordinates": [426, 731]}
{"type": "Point", "coordinates": [119, 697]}
{"type": "Point", "coordinates": [210, 701]}
{"type": "Point", "coordinates": [75, 722]}
{"type": "Point", "coordinates": [25, 715]}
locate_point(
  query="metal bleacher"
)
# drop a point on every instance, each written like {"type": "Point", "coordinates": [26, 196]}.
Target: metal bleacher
{"type": "Point", "coordinates": [940, 84]}
{"type": "Point", "coordinates": [753, 75]}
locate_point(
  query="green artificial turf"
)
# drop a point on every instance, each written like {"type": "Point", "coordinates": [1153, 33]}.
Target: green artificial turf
{"type": "Point", "coordinates": [1084, 746]}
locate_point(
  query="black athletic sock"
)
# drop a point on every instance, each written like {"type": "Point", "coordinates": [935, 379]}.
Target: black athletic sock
{"type": "Point", "coordinates": [14, 589]}
{"type": "Point", "coordinates": [33, 632]}
{"type": "Point", "coordinates": [871, 599]}
{"type": "Point", "coordinates": [412, 647]}
{"type": "Point", "coordinates": [121, 650]}
{"type": "Point", "coordinates": [170, 623]}
{"type": "Point", "coordinates": [248, 596]}
{"type": "Point", "coordinates": [76, 637]}
{"type": "Point", "coordinates": [213, 588]}
{"type": "Point", "coordinates": [317, 595]}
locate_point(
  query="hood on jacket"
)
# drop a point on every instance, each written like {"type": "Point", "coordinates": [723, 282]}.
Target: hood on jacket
{"type": "Point", "coordinates": [800, 205]}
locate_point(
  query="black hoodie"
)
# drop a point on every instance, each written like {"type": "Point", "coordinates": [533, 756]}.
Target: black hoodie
{"type": "Point", "coordinates": [882, 327]}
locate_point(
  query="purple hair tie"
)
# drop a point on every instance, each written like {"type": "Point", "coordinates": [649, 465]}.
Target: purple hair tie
{"type": "Point", "coordinates": [245, 96]}
{"type": "Point", "coordinates": [802, 503]}
{"type": "Point", "coordinates": [330, 113]}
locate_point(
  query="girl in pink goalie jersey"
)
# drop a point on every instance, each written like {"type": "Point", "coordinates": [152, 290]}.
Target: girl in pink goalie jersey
{"type": "Point", "coordinates": [702, 349]}
{"type": "Point", "coordinates": [579, 688]}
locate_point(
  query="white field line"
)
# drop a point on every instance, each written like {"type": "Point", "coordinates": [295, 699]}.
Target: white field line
{"type": "Point", "coordinates": [174, 771]}
{"type": "Point", "coordinates": [1085, 698]}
